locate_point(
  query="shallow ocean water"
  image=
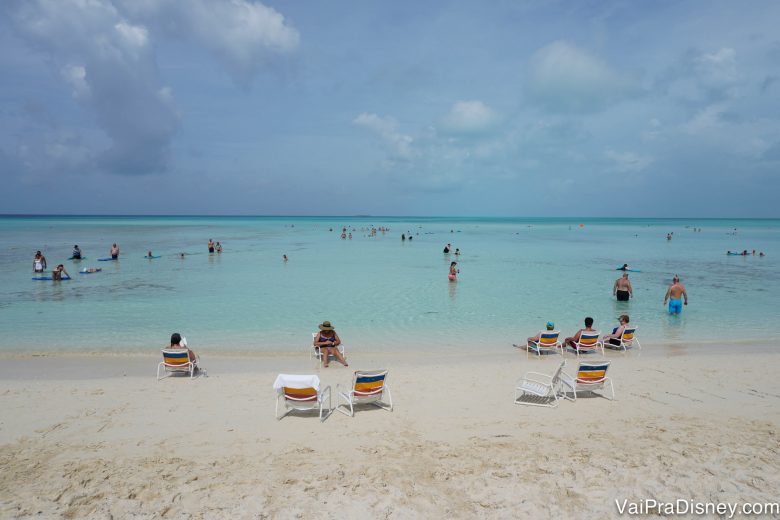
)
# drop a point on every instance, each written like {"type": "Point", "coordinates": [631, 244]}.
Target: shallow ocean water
{"type": "Point", "coordinates": [380, 293]}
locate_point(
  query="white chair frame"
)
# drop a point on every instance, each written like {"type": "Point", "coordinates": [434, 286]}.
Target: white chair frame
{"type": "Point", "coordinates": [585, 349]}
{"type": "Point", "coordinates": [556, 347]}
{"type": "Point", "coordinates": [189, 367]}
{"type": "Point", "coordinates": [543, 387]}
{"type": "Point", "coordinates": [376, 398]}
{"type": "Point", "coordinates": [575, 386]}
{"type": "Point", "coordinates": [305, 405]}
{"type": "Point", "coordinates": [624, 345]}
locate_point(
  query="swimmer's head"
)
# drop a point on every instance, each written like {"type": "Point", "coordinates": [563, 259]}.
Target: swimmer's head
{"type": "Point", "coordinates": [453, 263]}
{"type": "Point", "coordinates": [625, 275]}
{"type": "Point", "coordinates": [676, 279]}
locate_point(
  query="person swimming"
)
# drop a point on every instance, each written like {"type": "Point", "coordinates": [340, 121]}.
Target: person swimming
{"type": "Point", "coordinates": [76, 254]}
{"type": "Point", "coordinates": [453, 276]}
{"type": "Point", "coordinates": [91, 270]}
{"type": "Point", "coordinates": [447, 249]}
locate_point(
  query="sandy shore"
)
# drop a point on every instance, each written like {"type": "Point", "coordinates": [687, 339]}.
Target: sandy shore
{"type": "Point", "coordinates": [98, 437]}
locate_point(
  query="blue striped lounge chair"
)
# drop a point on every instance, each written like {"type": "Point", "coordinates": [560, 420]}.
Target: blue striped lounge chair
{"type": "Point", "coordinates": [626, 341]}
{"type": "Point", "coordinates": [301, 393]}
{"type": "Point", "coordinates": [537, 389]}
{"type": "Point", "coordinates": [588, 343]}
{"type": "Point", "coordinates": [176, 360]}
{"type": "Point", "coordinates": [591, 376]}
{"type": "Point", "coordinates": [368, 387]}
{"type": "Point", "coordinates": [548, 342]}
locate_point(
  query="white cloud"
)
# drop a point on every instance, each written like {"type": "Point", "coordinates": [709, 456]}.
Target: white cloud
{"type": "Point", "coordinates": [387, 129]}
{"type": "Point", "coordinates": [564, 78]}
{"type": "Point", "coordinates": [75, 76]}
{"type": "Point", "coordinates": [469, 117]}
{"type": "Point", "coordinates": [628, 162]}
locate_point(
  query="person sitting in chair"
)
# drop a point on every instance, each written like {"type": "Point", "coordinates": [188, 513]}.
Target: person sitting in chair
{"type": "Point", "coordinates": [572, 341]}
{"type": "Point", "coordinates": [328, 342]}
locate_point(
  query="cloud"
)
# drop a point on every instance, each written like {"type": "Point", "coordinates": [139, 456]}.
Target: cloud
{"type": "Point", "coordinates": [469, 117]}
{"type": "Point", "coordinates": [564, 78]}
{"type": "Point", "coordinates": [628, 162]}
{"type": "Point", "coordinates": [242, 35]}
{"type": "Point", "coordinates": [387, 129]}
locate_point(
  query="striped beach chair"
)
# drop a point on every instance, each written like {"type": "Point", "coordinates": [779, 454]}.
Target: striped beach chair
{"type": "Point", "coordinates": [537, 389]}
{"type": "Point", "coordinates": [176, 360]}
{"type": "Point", "coordinates": [368, 387]}
{"type": "Point", "coordinates": [589, 343]}
{"type": "Point", "coordinates": [590, 376]}
{"type": "Point", "coordinates": [626, 341]}
{"type": "Point", "coordinates": [302, 393]}
{"type": "Point", "coordinates": [548, 342]}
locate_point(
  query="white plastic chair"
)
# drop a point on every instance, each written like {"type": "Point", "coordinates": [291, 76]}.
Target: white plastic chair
{"type": "Point", "coordinates": [626, 340]}
{"type": "Point", "coordinates": [548, 342]}
{"type": "Point", "coordinates": [176, 360]}
{"type": "Point", "coordinates": [591, 375]}
{"type": "Point", "coordinates": [537, 389]}
{"type": "Point", "coordinates": [315, 351]}
{"type": "Point", "coordinates": [302, 393]}
{"type": "Point", "coordinates": [368, 387]}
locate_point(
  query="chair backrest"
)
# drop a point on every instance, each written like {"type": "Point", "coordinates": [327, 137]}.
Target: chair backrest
{"type": "Point", "coordinates": [300, 394]}
{"type": "Point", "coordinates": [175, 357]}
{"type": "Point", "coordinates": [589, 339]}
{"type": "Point", "coordinates": [549, 338]}
{"type": "Point", "coordinates": [557, 375]}
{"type": "Point", "coordinates": [369, 382]}
{"type": "Point", "coordinates": [628, 334]}
{"type": "Point", "coordinates": [591, 373]}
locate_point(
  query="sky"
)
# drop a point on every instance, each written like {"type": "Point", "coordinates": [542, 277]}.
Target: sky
{"type": "Point", "coordinates": [303, 107]}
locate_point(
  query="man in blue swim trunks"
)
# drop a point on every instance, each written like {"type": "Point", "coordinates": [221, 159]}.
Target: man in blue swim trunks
{"type": "Point", "coordinates": [675, 296]}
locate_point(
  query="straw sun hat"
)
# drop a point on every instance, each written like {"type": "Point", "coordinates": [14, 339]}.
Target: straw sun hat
{"type": "Point", "coordinates": [325, 325]}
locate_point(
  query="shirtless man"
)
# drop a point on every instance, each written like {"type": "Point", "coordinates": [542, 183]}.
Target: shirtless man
{"type": "Point", "coordinates": [572, 341]}
{"type": "Point", "coordinates": [674, 295]}
{"type": "Point", "coordinates": [115, 251]}
{"type": "Point", "coordinates": [211, 246]}
{"type": "Point", "coordinates": [622, 288]}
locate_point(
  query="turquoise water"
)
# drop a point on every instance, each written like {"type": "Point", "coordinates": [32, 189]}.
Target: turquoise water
{"type": "Point", "coordinates": [380, 293]}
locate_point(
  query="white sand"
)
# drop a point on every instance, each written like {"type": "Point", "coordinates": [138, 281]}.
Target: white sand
{"type": "Point", "coordinates": [98, 437]}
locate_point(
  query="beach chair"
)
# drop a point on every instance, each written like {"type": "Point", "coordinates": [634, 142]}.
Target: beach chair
{"type": "Point", "coordinates": [368, 387]}
{"type": "Point", "coordinates": [176, 360]}
{"type": "Point", "coordinates": [589, 343]}
{"type": "Point", "coordinates": [315, 351]}
{"type": "Point", "coordinates": [537, 389]}
{"type": "Point", "coordinates": [548, 342]}
{"type": "Point", "coordinates": [627, 340]}
{"type": "Point", "coordinates": [591, 375]}
{"type": "Point", "coordinates": [302, 393]}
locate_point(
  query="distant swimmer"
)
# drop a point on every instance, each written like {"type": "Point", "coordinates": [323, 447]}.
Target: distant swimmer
{"type": "Point", "coordinates": [668, 236]}
{"type": "Point", "coordinates": [219, 247]}
{"type": "Point", "coordinates": [624, 268]}
{"type": "Point", "coordinates": [343, 236]}
{"type": "Point", "coordinates": [350, 235]}
{"type": "Point", "coordinates": [403, 237]}
{"type": "Point", "coordinates": [56, 273]}
{"type": "Point", "coordinates": [181, 255]}
{"type": "Point", "coordinates": [453, 276]}
{"type": "Point", "coordinates": [457, 252]}
{"type": "Point", "coordinates": [211, 246]}
{"type": "Point", "coordinates": [284, 258]}
{"type": "Point", "coordinates": [675, 296]}
{"type": "Point", "coordinates": [39, 262]}
{"type": "Point", "coordinates": [91, 270]}
{"type": "Point", "coordinates": [447, 249]}
{"type": "Point", "coordinates": [149, 254]}
{"type": "Point", "coordinates": [114, 251]}
{"type": "Point", "coordinates": [622, 288]}
{"type": "Point", "coordinates": [76, 254]}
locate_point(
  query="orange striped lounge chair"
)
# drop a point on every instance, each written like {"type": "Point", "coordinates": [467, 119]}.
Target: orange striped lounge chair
{"type": "Point", "coordinates": [176, 360]}
{"type": "Point", "coordinates": [591, 375]}
{"type": "Point", "coordinates": [368, 387]}
{"type": "Point", "coordinates": [627, 340]}
{"type": "Point", "coordinates": [315, 351]}
{"type": "Point", "coordinates": [537, 389]}
{"type": "Point", "coordinates": [548, 342]}
{"type": "Point", "coordinates": [588, 343]}
{"type": "Point", "coordinates": [302, 393]}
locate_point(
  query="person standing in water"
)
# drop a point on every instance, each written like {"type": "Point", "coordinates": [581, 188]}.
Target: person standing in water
{"type": "Point", "coordinates": [219, 247]}
{"type": "Point", "coordinates": [76, 254]}
{"type": "Point", "coordinates": [211, 246]}
{"type": "Point", "coordinates": [39, 262]}
{"type": "Point", "coordinates": [56, 273]}
{"type": "Point", "coordinates": [447, 249]}
{"type": "Point", "coordinates": [622, 288]}
{"type": "Point", "coordinates": [114, 252]}
{"type": "Point", "coordinates": [675, 296]}
{"type": "Point", "coordinates": [453, 276]}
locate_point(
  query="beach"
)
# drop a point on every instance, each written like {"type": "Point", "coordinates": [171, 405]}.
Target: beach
{"type": "Point", "coordinates": [96, 436]}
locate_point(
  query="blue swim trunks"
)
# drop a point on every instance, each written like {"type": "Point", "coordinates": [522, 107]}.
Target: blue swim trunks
{"type": "Point", "coordinates": [675, 306]}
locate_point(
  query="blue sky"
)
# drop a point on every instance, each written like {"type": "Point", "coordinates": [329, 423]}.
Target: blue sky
{"type": "Point", "coordinates": [539, 108]}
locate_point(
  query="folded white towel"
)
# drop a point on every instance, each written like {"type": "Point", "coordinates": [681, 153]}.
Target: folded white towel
{"type": "Point", "coordinates": [296, 381]}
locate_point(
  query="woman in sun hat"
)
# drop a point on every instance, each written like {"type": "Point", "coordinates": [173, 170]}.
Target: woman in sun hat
{"type": "Point", "coordinates": [328, 342]}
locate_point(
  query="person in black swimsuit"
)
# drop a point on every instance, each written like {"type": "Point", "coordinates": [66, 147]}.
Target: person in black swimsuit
{"type": "Point", "coordinates": [622, 288]}
{"type": "Point", "coordinates": [328, 341]}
